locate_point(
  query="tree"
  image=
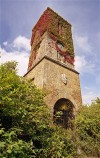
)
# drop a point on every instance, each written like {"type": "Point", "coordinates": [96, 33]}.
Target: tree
{"type": "Point", "coordinates": [88, 129]}
{"type": "Point", "coordinates": [26, 126]}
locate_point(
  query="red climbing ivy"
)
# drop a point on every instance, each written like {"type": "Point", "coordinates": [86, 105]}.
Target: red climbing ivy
{"type": "Point", "coordinates": [49, 22]}
{"type": "Point", "coordinates": [66, 55]}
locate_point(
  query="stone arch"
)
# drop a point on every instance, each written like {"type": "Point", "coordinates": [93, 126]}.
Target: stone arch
{"type": "Point", "coordinates": [63, 113]}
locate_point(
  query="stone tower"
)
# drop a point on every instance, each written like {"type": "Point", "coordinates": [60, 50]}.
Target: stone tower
{"type": "Point", "coordinates": [51, 66]}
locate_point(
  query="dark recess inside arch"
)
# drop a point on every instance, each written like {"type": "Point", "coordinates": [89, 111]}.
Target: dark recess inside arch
{"type": "Point", "coordinates": [63, 113]}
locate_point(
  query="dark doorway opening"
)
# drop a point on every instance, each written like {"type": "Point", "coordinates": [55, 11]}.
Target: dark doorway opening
{"type": "Point", "coordinates": [63, 113]}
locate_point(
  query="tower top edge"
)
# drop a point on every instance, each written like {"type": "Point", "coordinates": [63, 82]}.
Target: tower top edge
{"type": "Point", "coordinates": [54, 13]}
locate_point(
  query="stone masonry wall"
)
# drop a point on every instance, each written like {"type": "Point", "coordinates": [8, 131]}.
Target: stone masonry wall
{"type": "Point", "coordinates": [47, 75]}
{"type": "Point", "coordinates": [45, 47]}
{"type": "Point", "coordinates": [36, 75]}
{"type": "Point", "coordinates": [56, 89]}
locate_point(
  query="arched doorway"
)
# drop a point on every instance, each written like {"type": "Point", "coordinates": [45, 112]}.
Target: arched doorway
{"type": "Point", "coordinates": [63, 113]}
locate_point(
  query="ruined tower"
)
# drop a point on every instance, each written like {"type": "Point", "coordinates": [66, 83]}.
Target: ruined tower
{"type": "Point", "coordinates": [51, 65]}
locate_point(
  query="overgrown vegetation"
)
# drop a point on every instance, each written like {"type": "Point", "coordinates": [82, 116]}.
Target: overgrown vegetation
{"type": "Point", "coordinates": [26, 129]}
{"type": "Point", "coordinates": [26, 126]}
{"type": "Point", "coordinates": [88, 129]}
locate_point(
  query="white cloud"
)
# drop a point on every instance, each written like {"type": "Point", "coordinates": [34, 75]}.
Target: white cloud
{"type": "Point", "coordinates": [22, 42]}
{"type": "Point", "coordinates": [89, 96]}
{"type": "Point", "coordinates": [87, 88]}
{"type": "Point", "coordinates": [80, 63]}
{"type": "Point", "coordinates": [5, 43]}
{"type": "Point", "coordinates": [21, 56]}
{"type": "Point", "coordinates": [2, 50]}
{"type": "Point", "coordinates": [82, 42]}
{"type": "Point", "coordinates": [83, 66]}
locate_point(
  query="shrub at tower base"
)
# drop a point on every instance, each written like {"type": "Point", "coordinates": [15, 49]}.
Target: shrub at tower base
{"type": "Point", "coordinates": [88, 129]}
{"type": "Point", "coordinates": [26, 128]}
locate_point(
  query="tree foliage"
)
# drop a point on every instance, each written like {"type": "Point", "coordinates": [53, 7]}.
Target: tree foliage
{"type": "Point", "coordinates": [26, 129]}
{"type": "Point", "coordinates": [88, 129]}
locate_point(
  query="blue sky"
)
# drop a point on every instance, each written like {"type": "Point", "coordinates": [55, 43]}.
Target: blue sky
{"type": "Point", "coordinates": [17, 18]}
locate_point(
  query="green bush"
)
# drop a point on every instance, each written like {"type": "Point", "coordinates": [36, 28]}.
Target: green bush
{"type": "Point", "coordinates": [26, 126]}
{"type": "Point", "coordinates": [88, 129]}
